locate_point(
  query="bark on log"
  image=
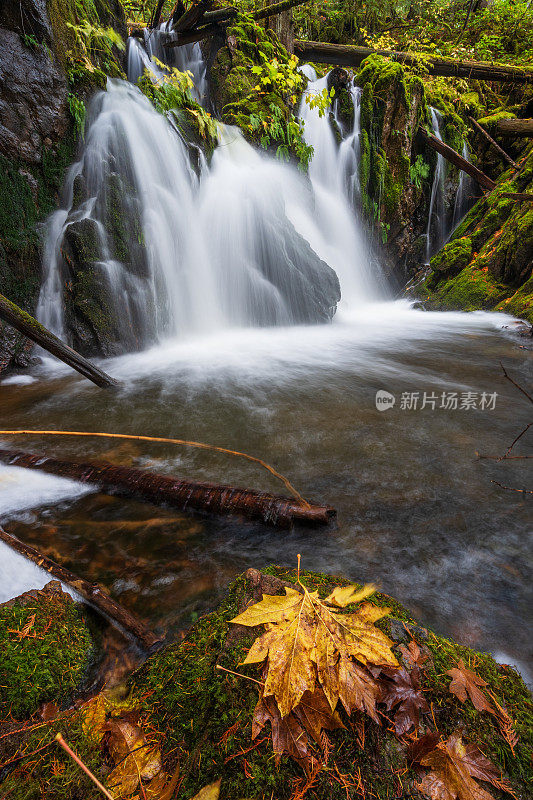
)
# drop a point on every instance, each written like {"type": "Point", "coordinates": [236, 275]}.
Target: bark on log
{"type": "Point", "coordinates": [211, 497]}
{"type": "Point", "coordinates": [520, 197]}
{"type": "Point", "coordinates": [277, 8]}
{"type": "Point", "coordinates": [156, 16]}
{"type": "Point", "coordinates": [451, 155]}
{"type": "Point", "coordinates": [192, 18]}
{"type": "Point", "coordinates": [91, 592]}
{"type": "Point", "coordinates": [29, 326]}
{"type": "Point", "coordinates": [480, 129]}
{"type": "Point", "coordinates": [188, 37]}
{"type": "Point", "coordinates": [352, 56]}
{"type": "Point", "coordinates": [514, 127]}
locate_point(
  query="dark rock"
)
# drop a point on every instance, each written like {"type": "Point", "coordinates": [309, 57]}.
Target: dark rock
{"type": "Point", "coordinates": [33, 99]}
{"type": "Point", "coordinates": [28, 18]}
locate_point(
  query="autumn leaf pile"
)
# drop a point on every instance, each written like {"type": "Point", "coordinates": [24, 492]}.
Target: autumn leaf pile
{"type": "Point", "coordinates": [318, 661]}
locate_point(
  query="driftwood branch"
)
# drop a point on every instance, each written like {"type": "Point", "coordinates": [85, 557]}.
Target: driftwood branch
{"type": "Point", "coordinates": [184, 494]}
{"type": "Point", "coordinates": [352, 56]}
{"type": "Point", "coordinates": [90, 592]}
{"type": "Point", "coordinates": [481, 130]}
{"type": "Point", "coordinates": [513, 127]}
{"type": "Point", "coordinates": [29, 326]}
{"type": "Point", "coordinates": [454, 158]}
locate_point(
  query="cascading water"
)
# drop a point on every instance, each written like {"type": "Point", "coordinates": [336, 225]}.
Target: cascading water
{"type": "Point", "coordinates": [276, 243]}
{"type": "Point", "coordinates": [465, 191]}
{"type": "Point", "coordinates": [436, 227]}
{"type": "Point", "coordinates": [333, 172]}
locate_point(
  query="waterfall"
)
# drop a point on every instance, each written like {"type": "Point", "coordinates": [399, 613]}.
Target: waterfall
{"type": "Point", "coordinates": [436, 226]}
{"type": "Point", "coordinates": [333, 172]}
{"type": "Point", "coordinates": [465, 189]}
{"type": "Point", "coordinates": [161, 252]}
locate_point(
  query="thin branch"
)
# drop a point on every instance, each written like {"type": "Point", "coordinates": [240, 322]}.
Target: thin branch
{"type": "Point", "coordinates": [513, 489]}
{"type": "Point", "coordinates": [520, 389]}
{"type": "Point", "coordinates": [80, 763]}
{"type": "Point", "coordinates": [528, 426]}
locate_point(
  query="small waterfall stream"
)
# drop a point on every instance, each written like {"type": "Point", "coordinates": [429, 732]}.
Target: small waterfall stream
{"type": "Point", "coordinates": [436, 227]}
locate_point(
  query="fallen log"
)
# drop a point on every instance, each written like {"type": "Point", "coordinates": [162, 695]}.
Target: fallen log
{"type": "Point", "coordinates": [353, 56]}
{"type": "Point", "coordinates": [91, 592]}
{"type": "Point", "coordinates": [156, 16]}
{"type": "Point", "coordinates": [454, 158]}
{"type": "Point", "coordinates": [192, 18]}
{"type": "Point", "coordinates": [29, 326]}
{"type": "Point", "coordinates": [481, 130]}
{"type": "Point", "coordinates": [520, 197]}
{"type": "Point", "coordinates": [189, 23]}
{"type": "Point", "coordinates": [184, 494]}
{"type": "Point", "coordinates": [513, 127]}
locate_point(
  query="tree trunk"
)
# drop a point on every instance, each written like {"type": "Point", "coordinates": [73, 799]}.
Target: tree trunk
{"type": "Point", "coordinates": [454, 158]}
{"type": "Point", "coordinates": [506, 157]}
{"type": "Point", "coordinates": [90, 592]}
{"type": "Point", "coordinates": [29, 326]}
{"type": "Point", "coordinates": [513, 127]}
{"type": "Point", "coordinates": [210, 497]}
{"type": "Point", "coordinates": [351, 56]}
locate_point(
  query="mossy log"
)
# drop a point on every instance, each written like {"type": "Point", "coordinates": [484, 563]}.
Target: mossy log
{"type": "Point", "coordinates": [210, 497]}
{"type": "Point", "coordinates": [454, 158]}
{"type": "Point", "coordinates": [513, 127]}
{"type": "Point", "coordinates": [481, 130]}
{"type": "Point", "coordinates": [90, 592]}
{"type": "Point", "coordinates": [29, 326]}
{"type": "Point", "coordinates": [352, 56]}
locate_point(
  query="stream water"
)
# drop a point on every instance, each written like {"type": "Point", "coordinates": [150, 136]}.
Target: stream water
{"type": "Point", "coordinates": [417, 512]}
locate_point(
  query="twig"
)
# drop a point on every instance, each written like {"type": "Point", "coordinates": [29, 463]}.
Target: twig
{"type": "Point", "coordinates": [80, 763]}
{"type": "Point", "coordinates": [513, 489]}
{"type": "Point", "coordinates": [506, 455]}
{"type": "Point", "coordinates": [239, 675]}
{"type": "Point", "coordinates": [520, 389]}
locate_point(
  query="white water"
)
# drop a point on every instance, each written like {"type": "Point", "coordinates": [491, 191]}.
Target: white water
{"type": "Point", "coordinates": [436, 227]}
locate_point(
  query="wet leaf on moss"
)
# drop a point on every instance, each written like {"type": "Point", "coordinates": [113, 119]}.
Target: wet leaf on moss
{"type": "Point", "coordinates": [402, 690]}
{"type": "Point", "coordinates": [210, 792]}
{"type": "Point", "coordinates": [466, 682]}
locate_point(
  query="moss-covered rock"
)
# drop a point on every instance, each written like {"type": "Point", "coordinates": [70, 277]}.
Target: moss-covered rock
{"type": "Point", "coordinates": [489, 261]}
{"type": "Point", "coordinates": [392, 108]}
{"type": "Point", "coordinates": [46, 649]}
{"type": "Point", "coordinates": [254, 85]}
{"type": "Point", "coordinates": [205, 713]}
{"type": "Point", "coordinates": [202, 715]}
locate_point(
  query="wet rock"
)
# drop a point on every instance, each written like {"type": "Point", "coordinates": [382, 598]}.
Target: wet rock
{"type": "Point", "coordinates": [33, 99]}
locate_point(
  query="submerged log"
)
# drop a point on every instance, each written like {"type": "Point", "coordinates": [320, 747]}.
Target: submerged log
{"type": "Point", "coordinates": [513, 127]}
{"type": "Point", "coordinates": [454, 158]}
{"type": "Point", "coordinates": [184, 494]}
{"type": "Point", "coordinates": [29, 326]}
{"type": "Point", "coordinates": [481, 130]}
{"type": "Point", "coordinates": [91, 592]}
{"type": "Point", "coordinates": [352, 56]}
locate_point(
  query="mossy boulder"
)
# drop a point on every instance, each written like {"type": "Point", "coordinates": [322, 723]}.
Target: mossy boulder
{"type": "Point", "coordinates": [46, 650]}
{"type": "Point", "coordinates": [392, 108]}
{"type": "Point", "coordinates": [205, 712]}
{"type": "Point", "coordinates": [240, 97]}
{"type": "Point", "coordinates": [201, 716]}
{"type": "Point", "coordinates": [489, 261]}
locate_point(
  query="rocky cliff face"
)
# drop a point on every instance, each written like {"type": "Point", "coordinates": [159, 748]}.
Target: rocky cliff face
{"type": "Point", "coordinates": [42, 76]}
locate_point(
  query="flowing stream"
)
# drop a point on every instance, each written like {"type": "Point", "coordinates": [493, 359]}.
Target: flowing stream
{"type": "Point", "coordinates": [225, 283]}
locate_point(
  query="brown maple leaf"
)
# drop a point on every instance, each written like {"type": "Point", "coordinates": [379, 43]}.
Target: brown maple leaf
{"type": "Point", "coordinates": [466, 682]}
{"type": "Point", "coordinates": [402, 690]}
{"type": "Point", "coordinates": [412, 655]}
{"type": "Point", "coordinates": [454, 766]}
{"type": "Point", "coordinates": [135, 759]}
{"type": "Point", "coordinates": [293, 734]}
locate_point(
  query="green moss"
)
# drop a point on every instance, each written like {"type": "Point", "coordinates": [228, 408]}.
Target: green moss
{"type": "Point", "coordinates": [50, 661]}
{"type": "Point", "coordinates": [520, 303]}
{"type": "Point", "coordinates": [488, 122]}
{"type": "Point", "coordinates": [470, 290]}
{"type": "Point", "coordinates": [453, 257]}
